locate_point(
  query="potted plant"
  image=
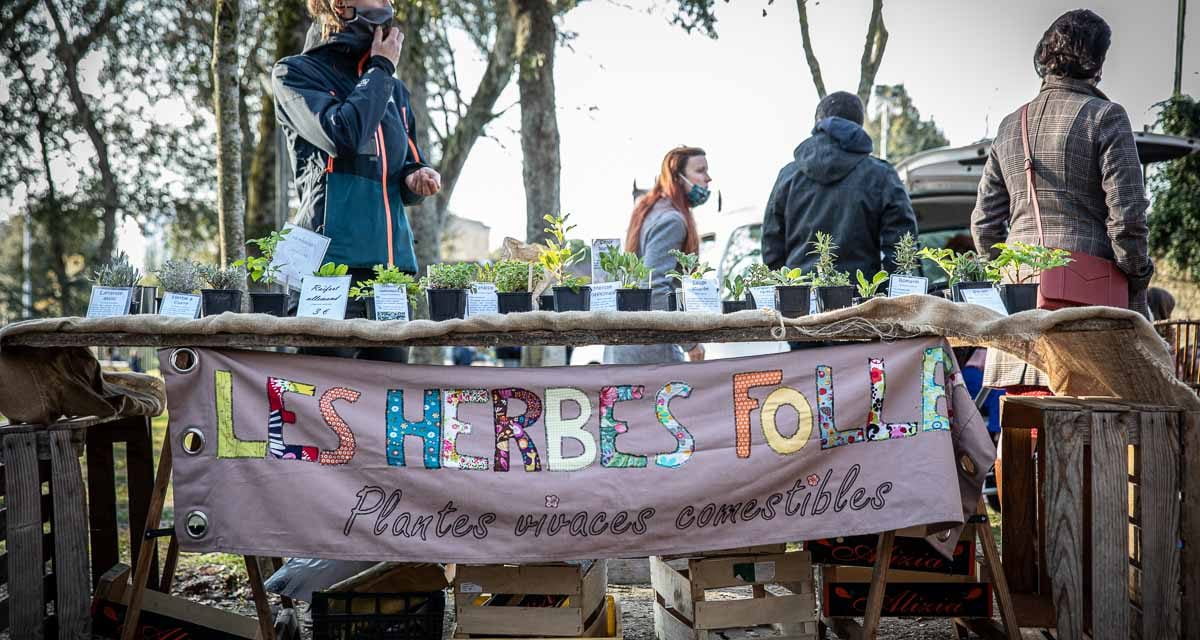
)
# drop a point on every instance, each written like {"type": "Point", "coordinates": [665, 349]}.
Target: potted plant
{"type": "Point", "coordinates": [570, 290]}
{"type": "Point", "coordinates": [792, 292]}
{"type": "Point", "coordinates": [120, 274]}
{"type": "Point", "coordinates": [868, 289]}
{"type": "Point", "coordinates": [630, 271]}
{"type": "Point", "coordinates": [1017, 264]}
{"type": "Point", "coordinates": [908, 255]}
{"type": "Point", "coordinates": [833, 286]}
{"type": "Point", "coordinates": [446, 289]}
{"type": "Point", "coordinates": [365, 289]}
{"type": "Point", "coordinates": [736, 289]}
{"type": "Point", "coordinates": [757, 276]}
{"type": "Point", "coordinates": [546, 301]}
{"type": "Point", "coordinates": [261, 270]}
{"type": "Point", "coordinates": [179, 276]}
{"type": "Point", "coordinates": [690, 266]}
{"type": "Point", "coordinates": [222, 293]}
{"type": "Point", "coordinates": [963, 270]}
{"type": "Point", "coordinates": [515, 280]}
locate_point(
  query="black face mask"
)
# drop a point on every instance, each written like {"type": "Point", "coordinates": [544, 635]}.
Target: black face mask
{"type": "Point", "coordinates": [359, 31]}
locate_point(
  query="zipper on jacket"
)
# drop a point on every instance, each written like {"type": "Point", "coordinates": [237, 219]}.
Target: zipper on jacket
{"type": "Point", "coordinates": [387, 207]}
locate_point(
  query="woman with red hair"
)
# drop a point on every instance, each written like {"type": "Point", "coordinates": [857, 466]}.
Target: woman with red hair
{"type": "Point", "coordinates": [662, 220]}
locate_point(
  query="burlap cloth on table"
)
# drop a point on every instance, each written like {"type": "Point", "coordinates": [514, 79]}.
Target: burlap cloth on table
{"type": "Point", "coordinates": [1128, 360]}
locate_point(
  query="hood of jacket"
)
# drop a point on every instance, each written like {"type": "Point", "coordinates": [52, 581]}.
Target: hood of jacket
{"type": "Point", "coordinates": [835, 148]}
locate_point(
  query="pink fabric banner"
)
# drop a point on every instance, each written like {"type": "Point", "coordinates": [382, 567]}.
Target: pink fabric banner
{"type": "Point", "coordinates": [333, 458]}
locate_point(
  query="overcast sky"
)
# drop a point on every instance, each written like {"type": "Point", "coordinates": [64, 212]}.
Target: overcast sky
{"type": "Point", "coordinates": [631, 86]}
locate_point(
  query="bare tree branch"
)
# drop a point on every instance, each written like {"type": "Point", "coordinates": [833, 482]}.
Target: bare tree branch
{"type": "Point", "coordinates": [877, 36]}
{"type": "Point", "coordinates": [813, 65]}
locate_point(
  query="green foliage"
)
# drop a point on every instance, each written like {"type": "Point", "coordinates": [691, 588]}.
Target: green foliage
{"type": "Point", "coordinates": [260, 267]}
{"type": "Point", "coordinates": [867, 288]}
{"type": "Point", "coordinates": [179, 276]}
{"type": "Point", "coordinates": [630, 270]}
{"type": "Point", "coordinates": [1175, 190]}
{"type": "Point", "coordinates": [908, 254]}
{"type": "Point", "coordinates": [786, 277]}
{"type": "Point", "coordinates": [907, 132]}
{"type": "Point", "coordinates": [222, 278]}
{"type": "Point", "coordinates": [485, 272]}
{"type": "Point", "coordinates": [690, 266]}
{"type": "Point", "coordinates": [387, 275]}
{"type": "Point", "coordinates": [759, 275]}
{"type": "Point", "coordinates": [558, 254]}
{"type": "Point", "coordinates": [736, 287]}
{"type": "Point", "coordinates": [512, 276]}
{"type": "Point", "coordinates": [961, 267]}
{"type": "Point", "coordinates": [450, 276]}
{"type": "Point", "coordinates": [117, 273]}
{"type": "Point", "coordinates": [331, 270]}
{"type": "Point", "coordinates": [267, 244]}
{"type": "Point", "coordinates": [1019, 262]}
{"type": "Point", "coordinates": [827, 274]}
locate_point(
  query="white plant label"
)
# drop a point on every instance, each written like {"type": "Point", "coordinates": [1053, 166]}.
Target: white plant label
{"type": "Point", "coordinates": [298, 254]}
{"type": "Point", "coordinates": [107, 302]}
{"type": "Point", "coordinates": [907, 285]}
{"type": "Point", "coordinates": [391, 302]}
{"type": "Point", "coordinates": [180, 305]}
{"type": "Point", "coordinates": [764, 296]}
{"type": "Point", "coordinates": [598, 247]}
{"type": "Point", "coordinates": [701, 296]}
{"type": "Point", "coordinates": [989, 298]}
{"type": "Point", "coordinates": [324, 297]}
{"type": "Point", "coordinates": [604, 296]}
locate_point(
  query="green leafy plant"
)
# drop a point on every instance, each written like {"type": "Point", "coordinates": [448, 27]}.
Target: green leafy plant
{"type": "Point", "coordinates": [785, 277]}
{"type": "Point", "coordinates": [449, 276]}
{"type": "Point", "coordinates": [178, 276]}
{"type": "Point", "coordinates": [1175, 190]}
{"type": "Point", "coordinates": [961, 267]}
{"type": "Point", "coordinates": [736, 287]}
{"type": "Point", "coordinates": [259, 267]}
{"type": "Point", "coordinates": [630, 270]}
{"type": "Point", "coordinates": [387, 275]}
{"type": "Point", "coordinates": [908, 255]}
{"type": "Point", "coordinates": [827, 274]}
{"type": "Point", "coordinates": [690, 266]}
{"type": "Point", "coordinates": [331, 270]}
{"type": "Point", "coordinates": [867, 288]}
{"type": "Point", "coordinates": [485, 272]}
{"type": "Point", "coordinates": [222, 278]}
{"type": "Point", "coordinates": [117, 273]}
{"type": "Point", "coordinates": [513, 276]}
{"type": "Point", "coordinates": [1019, 262]}
{"type": "Point", "coordinates": [759, 275]}
{"type": "Point", "coordinates": [558, 254]}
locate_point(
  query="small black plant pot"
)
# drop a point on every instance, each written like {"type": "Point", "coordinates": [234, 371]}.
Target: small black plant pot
{"type": "Point", "coordinates": [633, 299]}
{"type": "Point", "coordinates": [1019, 297]}
{"type": "Point", "coordinates": [446, 304]}
{"type": "Point", "coordinates": [568, 299]}
{"type": "Point", "coordinates": [733, 306]}
{"type": "Point", "coordinates": [546, 302]}
{"type": "Point", "coordinates": [792, 300]}
{"type": "Point", "coordinates": [142, 301]}
{"type": "Point", "coordinates": [830, 298]}
{"type": "Point", "coordinates": [673, 300]}
{"type": "Point", "coordinates": [272, 304]}
{"type": "Point", "coordinates": [214, 302]}
{"type": "Point", "coordinates": [957, 289]}
{"type": "Point", "coordinates": [515, 302]}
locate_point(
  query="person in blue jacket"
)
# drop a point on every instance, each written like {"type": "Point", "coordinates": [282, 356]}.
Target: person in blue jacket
{"type": "Point", "coordinates": [350, 132]}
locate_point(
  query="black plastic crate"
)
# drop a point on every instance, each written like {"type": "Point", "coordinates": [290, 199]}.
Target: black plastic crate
{"type": "Point", "coordinates": [338, 615]}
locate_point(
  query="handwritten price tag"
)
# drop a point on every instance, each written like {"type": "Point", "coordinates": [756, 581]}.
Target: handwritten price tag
{"type": "Point", "coordinates": [323, 297]}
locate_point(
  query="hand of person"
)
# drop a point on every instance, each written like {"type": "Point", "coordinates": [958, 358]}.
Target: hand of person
{"type": "Point", "coordinates": [696, 354]}
{"type": "Point", "coordinates": [388, 46]}
{"type": "Point", "coordinates": [424, 182]}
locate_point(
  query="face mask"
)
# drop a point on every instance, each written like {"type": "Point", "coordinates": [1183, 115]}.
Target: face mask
{"type": "Point", "coordinates": [697, 195]}
{"type": "Point", "coordinates": [359, 30]}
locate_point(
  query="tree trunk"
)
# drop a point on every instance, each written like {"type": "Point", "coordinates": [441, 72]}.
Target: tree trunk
{"type": "Point", "coordinates": [536, 38]}
{"type": "Point", "coordinates": [231, 207]}
{"type": "Point", "coordinates": [422, 218]}
{"type": "Point", "coordinates": [877, 37]}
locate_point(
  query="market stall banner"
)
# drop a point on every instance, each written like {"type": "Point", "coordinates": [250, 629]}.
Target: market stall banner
{"type": "Point", "coordinates": [289, 455]}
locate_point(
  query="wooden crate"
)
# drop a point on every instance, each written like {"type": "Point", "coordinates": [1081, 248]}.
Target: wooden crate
{"type": "Point", "coordinates": [488, 600]}
{"type": "Point", "coordinates": [683, 612]}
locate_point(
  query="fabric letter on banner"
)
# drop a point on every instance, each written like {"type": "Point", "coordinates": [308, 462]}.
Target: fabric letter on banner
{"type": "Point", "coordinates": [743, 404]}
{"type": "Point", "coordinates": [932, 390]}
{"type": "Point", "coordinates": [610, 427]}
{"type": "Point", "coordinates": [786, 396]}
{"type": "Point", "coordinates": [515, 427]}
{"type": "Point", "coordinates": [830, 436]}
{"type": "Point", "coordinates": [346, 446]}
{"type": "Point", "coordinates": [559, 429]}
{"type": "Point", "coordinates": [429, 429]}
{"type": "Point", "coordinates": [452, 427]}
{"type": "Point", "coordinates": [279, 416]}
{"type": "Point", "coordinates": [685, 442]}
{"type": "Point", "coordinates": [877, 429]}
{"type": "Point", "coordinates": [228, 444]}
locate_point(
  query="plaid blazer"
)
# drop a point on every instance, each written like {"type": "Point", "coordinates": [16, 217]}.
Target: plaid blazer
{"type": "Point", "coordinates": [1089, 187]}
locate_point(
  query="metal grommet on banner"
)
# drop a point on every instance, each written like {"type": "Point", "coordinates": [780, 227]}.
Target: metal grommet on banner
{"type": "Point", "coordinates": [184, 360]}
{"type": "Point", "coordinates": [192, 441]}
{"type": "Point", "coordinates": [196, 525]}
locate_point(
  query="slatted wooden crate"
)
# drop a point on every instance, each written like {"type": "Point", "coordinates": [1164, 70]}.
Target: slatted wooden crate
{"type": "Point", "coordinates": [493, 600]}
{"type": "Point", "coordinates": [682, 610]}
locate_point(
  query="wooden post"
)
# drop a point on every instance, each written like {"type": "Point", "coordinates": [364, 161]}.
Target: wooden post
{"type": "Point", "coordinates": [26, 570]}
{"type": "Point", "coordinates": [142, 573]}
{"type": "Point", "coordinates": [1110, 524]}
{"type": "Point", "coordinates": [73, 585]}
{"type": "Point", "coordinates": [1019, 505]}
{"type": "Point", "coordinates": [266, 625]}
{"type": "Point", "coordinates": [1159, 450]}
{"type": "Point", "coordinates": [883, 558]}
{"type": "Point", "coordinates": [1064, 511]}
{"type": "Point", "coordinates": [1190, 524]}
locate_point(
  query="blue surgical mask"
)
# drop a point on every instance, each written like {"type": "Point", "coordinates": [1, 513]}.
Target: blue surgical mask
{"type": "Point", "coordinates": [697, 195]}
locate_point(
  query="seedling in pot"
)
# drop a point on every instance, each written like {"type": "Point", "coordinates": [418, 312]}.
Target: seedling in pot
{"type": "Point", "coordinates": [225, 279]}
{"type": "Point", "coordinates": [760, 275]}
{"type": "Point", "coordinates": [449, 276]}
{"type": "Point", "coordinates": [558, 254]}
{"type": "Point", "coordinates": [867, 288]}
{"type": "Point", "coordinates": [630, 270]}
{"type": "Point", "coordinates": [690, 266]}
{"type": "Point", "coordinates": [908, 255]}
{"type": "Point", "coordinates": [515, 276]}
{"type": "Point", "coordinates": [1019, 263]}
{"type": "Point", "coordinates": [827, 274]}
{"type": "Point", "coordinates": [387, 275]}
{"type": "Point", "coordinates": [117, 273]}
{"type": "Point", "coordinates": [736, 287]}
{"type": "Point", "coordinates": [331, 270]}
{"type": "Point", "coordinates": [795, 277]}
{"type": "Point", "coordinates": [178, 276]}
{"type": "Point", "coordinates": [223, 293]}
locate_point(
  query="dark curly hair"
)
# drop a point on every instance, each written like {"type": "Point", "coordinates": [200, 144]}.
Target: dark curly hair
{"type": "Point", "coordinates": [1073, 46]}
